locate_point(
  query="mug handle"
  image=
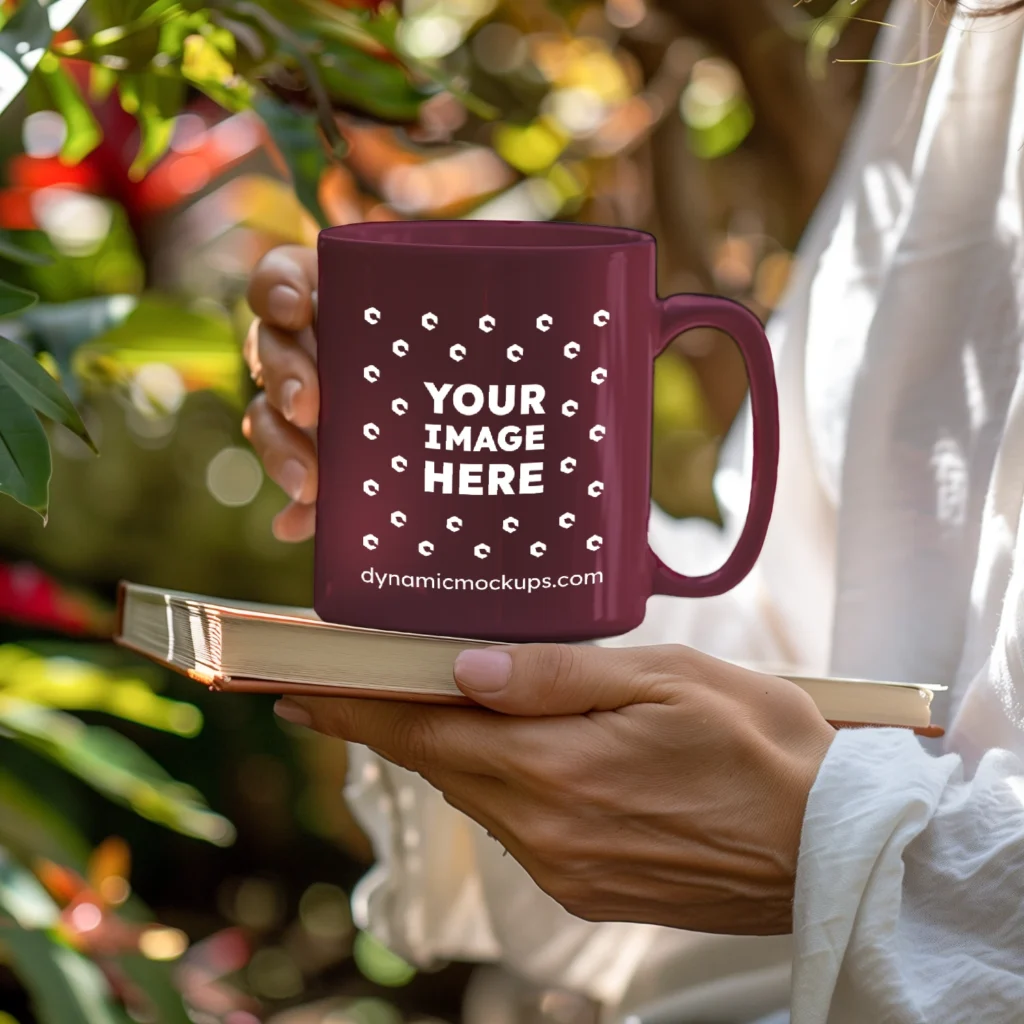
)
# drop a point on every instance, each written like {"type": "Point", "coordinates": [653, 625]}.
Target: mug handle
{"type": "Point", "coordinates": [682, 313]}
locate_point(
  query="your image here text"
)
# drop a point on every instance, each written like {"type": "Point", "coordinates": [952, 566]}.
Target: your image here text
{"type": "Point", "coordinates": [477, 478]}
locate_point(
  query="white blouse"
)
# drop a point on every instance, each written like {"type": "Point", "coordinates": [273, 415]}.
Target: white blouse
{"type": "Point", "coordinates": [895, 553]}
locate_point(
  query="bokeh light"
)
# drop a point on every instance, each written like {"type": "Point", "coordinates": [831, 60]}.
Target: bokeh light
{"type": "Point", "coordinates": [44, 134]}
{"type": "Point", "coordinates": [430, 36]}
{"type": "Point", "coordinates": [499, 48]}
{"type": "Point", "coordinates": [234, 476]}
{"type": "Point", "coordinates": [77, 223]}
{"type": "Point", "coordinates": [324, 912]}
{"type": "Point", "coordinates": [273, 973]}
{"type": "Point", "coordinates": [163, 943]}
{"type": "Point", "coordinates": [86, 917]}
{"type": "Point", "coordinates": [157, 390]}
{"type": "Point", "coordinates": [379, 964]}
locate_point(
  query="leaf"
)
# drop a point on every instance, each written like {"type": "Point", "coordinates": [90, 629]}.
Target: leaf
{"type": "Point", "coordinates": [174, 31]}
{"type": "Point", "coordinates": [101, 82]}
{"type": "Point", "coordinates": [66, 988]}
{"type": "Point", "coordinates": [39, 390]}
{"type": "Point", "coordinates": [10, 250]}
{"type": "Point", "coordinates": [160, 99]}
{"type": "Point", "coordinates": [31, 827]}
{"type": "Point", "coordinates": [298, 140]}
{"type": "Point", "coordinates": [206, 67]}
{"type": "Point", "coordinates": [157, 981]}
{"type": "Point", "coordinates": [203, 62]}
{"type": "Point", "coordinates": [23, 897]}
{"type": "Point", "coordinates": [83, 131]}
{"type": "Point", "coordinates": [128, 93]}
{"type": "Point", "coordinates": [23, 41]}
{"type": "Point", "coordinates": [377, 36]}
{"type": "Point", "coordinates": [24, 451]}
{"type": "Point", "coordinates": [200, 346]}
{"type": "Point", "coordinates": [71, 683]}
{"type": "Point", "coordinates": [376, 87]}
{"type": "Point", "coordinates": [114, 766]}
{"type": "Point", "coordinates": [14, 299]}
{"type": "Point", "coordinates": [321, 20]}
{"type": "Point", "coordinates": [61, 328]}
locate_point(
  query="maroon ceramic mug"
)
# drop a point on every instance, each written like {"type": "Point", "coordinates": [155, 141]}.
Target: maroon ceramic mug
{"type": "Point", "coordinates": [485, 428]}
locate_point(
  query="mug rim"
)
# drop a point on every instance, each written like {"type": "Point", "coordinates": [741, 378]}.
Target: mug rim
{"type": "Point", "coordinates": [565, 236]}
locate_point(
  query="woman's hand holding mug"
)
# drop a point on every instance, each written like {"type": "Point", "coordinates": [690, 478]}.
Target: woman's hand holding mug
{"type": "Point", "coordinates": [647, 784]}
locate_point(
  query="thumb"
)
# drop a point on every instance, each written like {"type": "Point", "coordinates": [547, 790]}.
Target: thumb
{"type": "Point", "coordinates": [565, 679]}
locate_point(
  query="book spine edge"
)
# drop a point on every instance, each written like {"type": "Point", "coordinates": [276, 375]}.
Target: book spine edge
{"type": "Point", "coordinates": [122, 590]}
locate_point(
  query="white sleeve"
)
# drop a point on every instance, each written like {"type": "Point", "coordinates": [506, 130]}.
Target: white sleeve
{"type": "Point", "coordinates": [910, 887]}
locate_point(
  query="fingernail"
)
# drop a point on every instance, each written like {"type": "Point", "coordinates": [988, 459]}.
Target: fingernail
{"type": "Point", "coordinates": [292, 479]}
{"type": "Point", "coordinates": [289, 392]}
{"type": "Point", "coordinates": [283, 305]}
{"type": "Point", "coordinates": [484, 671]}
{"type": "Point", "coordinates": [291, 712]}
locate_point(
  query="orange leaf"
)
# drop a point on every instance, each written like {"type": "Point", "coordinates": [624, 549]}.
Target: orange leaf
{"type": "Point", "coordinates": [112, 859]}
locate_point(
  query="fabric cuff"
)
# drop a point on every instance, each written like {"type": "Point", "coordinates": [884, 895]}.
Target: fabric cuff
{"type": "Point", "coordinates": [876, 791]}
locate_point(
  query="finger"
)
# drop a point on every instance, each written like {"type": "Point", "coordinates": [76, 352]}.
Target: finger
{"type": "Point", "coordinates": [295, 523]}
{"type": "Point", "coordinates": [423, 738]}
{"type": "Point", "coordinates": [565, 679]}
{"type": "Point", "coordinates": [282, 287]}
{"type": "Point", "coordinates": [289, 375]}
{"type": "Point", "coordinates": [286, 452]}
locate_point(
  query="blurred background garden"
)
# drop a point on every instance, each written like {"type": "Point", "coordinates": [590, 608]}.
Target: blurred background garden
{"type": "Point", "coordinates": [169, 855]}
